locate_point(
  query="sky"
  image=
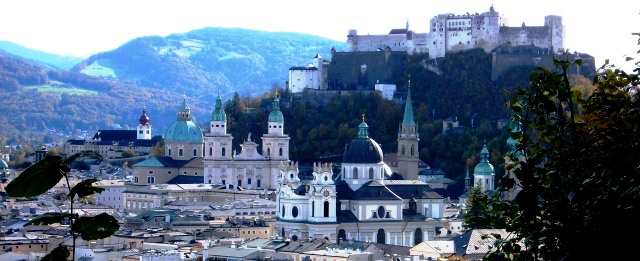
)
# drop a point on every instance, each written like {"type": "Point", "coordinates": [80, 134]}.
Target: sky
{"type": "Point", "coordinates": [81, 28]}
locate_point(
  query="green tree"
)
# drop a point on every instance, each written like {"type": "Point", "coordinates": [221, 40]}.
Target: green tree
{"type": "Point", "coordinates": [129, 153]}
{"type": "Point", "coordinates": [577, 167]}
{"type": "Point", "coordinates": [477, 214]}
{"type": "Point", "coordinates": [40, 178]}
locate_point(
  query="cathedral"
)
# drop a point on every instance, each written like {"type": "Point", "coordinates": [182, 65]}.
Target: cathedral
{"type": "Point", "coordinates": [365, 200]}
{"type": "Point", "coordinates": [192, 156]}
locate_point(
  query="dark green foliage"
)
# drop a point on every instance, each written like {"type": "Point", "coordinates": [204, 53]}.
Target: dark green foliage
{"type": "Point", "coordinates": [46, 173]}
{"type": "Point", "coordinates": [96, 227]}
{"type": "Point", "coordinates": [49, 218]}
{"type": "Point", "coordinates": [578, 168]}
{"type": "Point", "coordinates": [37, 179]}
{"type": "Point", "coordinates": [84, 188]}
{"type": "Point", "coordinates": [59, 253]}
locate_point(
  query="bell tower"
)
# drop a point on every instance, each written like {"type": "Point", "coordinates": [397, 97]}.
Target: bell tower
{"type": "Point", "coordinates": [144, 127]}
{"type": "Point", "coordinates": [408, 137]}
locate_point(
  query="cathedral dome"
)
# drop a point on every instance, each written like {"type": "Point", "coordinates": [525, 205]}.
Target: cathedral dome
{"type": "Point", "coordinates": [183, 131]}
{"type": "Point", "coordinates": [362, 149]}
{"type": "Point", "coordinates": [276, 114]}
{"type": "Point", "coordinates": [484, 167]}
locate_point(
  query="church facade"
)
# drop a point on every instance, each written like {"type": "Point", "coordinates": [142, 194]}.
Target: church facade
{"type": "Point", "coordinates": [248, 169]}
{"type": "Point", "coordinates": [364, 200]}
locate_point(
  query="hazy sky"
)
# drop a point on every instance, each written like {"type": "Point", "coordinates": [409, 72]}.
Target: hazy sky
{"type": "Point", "coordinates": [84, 27]}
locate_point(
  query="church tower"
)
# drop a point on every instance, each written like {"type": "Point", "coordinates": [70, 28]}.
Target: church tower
{"type": "Point", "coordinates": [275, 144]}
{"type": "Point", "coordinates": [408, 137]}
{"type": "Point", "coordinates": [322, 194]}
{"type": "Point", "coordinates": [218, 143]}
{"type": "Point", "coordinates": [484, 174]}
{"type": "Point", "coordinates": [144, 128]}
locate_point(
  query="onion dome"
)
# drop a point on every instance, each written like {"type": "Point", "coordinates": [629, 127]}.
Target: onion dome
{"type": "Point", "coordinates": [484, 167]}
{"type": "Point", "coordinates": [218, 113]}
{"type": "Point", "coordinates": [362, 149]}
{"type": "Point", "coordinates": [184, 129]}
{"type": "Point", "coordinates": [276, 114]}
{"type": "Point", "coordinates": [144, 119]}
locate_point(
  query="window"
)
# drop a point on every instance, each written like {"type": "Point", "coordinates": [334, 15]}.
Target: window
{"type": "Point", "coordinates": [417, 236]}
{"type": "Point", "coordinates": [326, 209]}
{"type": "Point", "coordinates": [313, 208]}
{"type": "Point", "coordinates": [381, 211]}
{"type": "Point", "coordinates": [249, 181]}
{"type": "Point", "coordinates": [381, 236]}
{"type": "Point", "coordinates": [412, 149]}
{"type": "Point", "coordinates": [268, 151]}
{"type": "Point", "coordinates": [223, 182]}
{"type": "Point", "coordinates": [210, 151]}
{"type": "Point", "coordinates": [223, 151]}
{"type": "Point", "coordinates": [402, 150]}
{"type": "Point", "coordinates": [195, 152]}
{"type": "Point", "coordinates": [258, 185]}
{"type": "Point", "coordinates": [169, 152]}
{"type": "Point", "coordinates": [140, 132]}
{"type": "Point", "coordinates": [294, 211]}
{"type": "Point", "coordinates": [282, 212]}
{"type": "Point", "coordinates": [371, 175]}
{"type": "Point", "coordinates": [239, 183]}
{"type": "Point", "coordinates": [355, 173]}
{"type": "Point", "coordinates": [280, 154]}
{"type": "Point", "coordinates": [180, 152]}
{"type": "Point", "coordinates": [135, 179]}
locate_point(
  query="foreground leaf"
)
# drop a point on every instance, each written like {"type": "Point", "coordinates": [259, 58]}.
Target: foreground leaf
{"type": "Point", "coordinates": [98, 227]}
{"type": "Point", "coordinates": [48, 219]}
{"type": "Point", "coordinates": [59, 253]}
{"type": "Point", "coordinates": [36, 179]}
{"type": "Point", "coordinates": [85, 188]}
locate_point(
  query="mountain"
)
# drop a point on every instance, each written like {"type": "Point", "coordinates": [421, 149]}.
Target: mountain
{"type": "Point", "coordinates": [202, 62]}
{"type": "Point", "coordinates": [47, 60]}
{"type": "Point", "coordinates": [111, 88]}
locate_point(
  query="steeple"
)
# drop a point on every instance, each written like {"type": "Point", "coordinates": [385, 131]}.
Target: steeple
{"type": "Point", "coordinates": [408, 109]}
{"type": "Point", "coordinates": [408, 138]}
{"type": "Point", "coordinates": [143, 128]}
{"type": "Point", "coordinates": [218, 118]}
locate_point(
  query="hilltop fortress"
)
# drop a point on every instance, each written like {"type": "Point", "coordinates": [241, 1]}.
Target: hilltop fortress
{"type": "Point", "coordinates": [449, 32]}
{"type": "Point", "coordinates": [375, 62]}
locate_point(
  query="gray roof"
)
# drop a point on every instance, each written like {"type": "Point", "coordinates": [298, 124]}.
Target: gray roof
{"type": "Point", "coordinates": [221, 251]}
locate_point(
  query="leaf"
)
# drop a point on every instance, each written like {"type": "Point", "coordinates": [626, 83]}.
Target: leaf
{"type": "Point", "coordinates": [36, 179]}
{"type": "Point", "coordinates": [82, 154]}
{"type": "Point", "coordinates": [98, 227]}
{"type": "Point", "coordinates": [85, 188]}
{"type": "Point", "coordinates": [49, 218]}
{"type": "Point", "coordinates": [59, 253]}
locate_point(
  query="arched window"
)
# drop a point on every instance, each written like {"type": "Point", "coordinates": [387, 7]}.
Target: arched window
{"type": "Point", "coordinates": [371, 175]}
{"type": "Point", "coordinates": [180, 152]}
{"type": "Point", "coordinates": [413, 206]}
{"type": "Point", "coordinates": [417, 237]}
{"type": "Point", "coordinates": [280, 153]}
{"type": "Point", "coordinates": [326, 209]}
{"type": "Point", "coordinates": [223, 151]}
{"type": "Point", "coordinates": [151, 180]}
{"type": "Point", "coordinates": [381, 236]}
{"type": "Point", "coordinates": [342, 236]}
{"type": "Point", "coordinates": [268, 151]}
{"type": "Point", "coordinates": [195, 152]}
{"type": "Point", "coordinates": [282, 214]}
{"type": "Point", "coordinates": [313, 208]}
{"type": "Point", "coordinates": [355, 173]}
{"type": "Point", "coordinates": [412, 149]}
{"type": "Point", "coordinates": [402, 150]}
{"type": "Point", "coordinates": [294, 238]}
{"type": "Point", "coordinates": [294, 211]}
{"type": "Point", "coordinates": [210, 151]}
{"type": "Point", "coordinates": [282, 232]}
{"type": "Point", "coordinates": [169, 152]}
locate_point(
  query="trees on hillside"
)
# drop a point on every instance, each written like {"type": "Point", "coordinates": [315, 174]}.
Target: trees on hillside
{"type": "Point", "coordinates": [578, 168]}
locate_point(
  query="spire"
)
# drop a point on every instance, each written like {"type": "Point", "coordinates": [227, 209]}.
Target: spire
{"type": "Point", "coordinates": [276, 114]}
{"type": "Point", "coordinates": [218, 113]}
{"type": "Point", "coordinates": [363, 129]}
{"type": "Point", "coordinates": [484, 154]}
{"type": "Point", "coordinates": [408, 109]}
{"type": "Point", "coordinates": [184, 102]}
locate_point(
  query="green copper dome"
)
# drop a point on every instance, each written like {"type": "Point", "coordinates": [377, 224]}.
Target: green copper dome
{"type": "Point", "coordinates": [276, 114]}
{"type": "Point", "coordinates": [218, 114]}
{"type": "Point", "coordinates": [184, 129]}
{"type": "Point", "coordinates": [362, 149]}
{"type": "Point", "coordinates": [484, 167]}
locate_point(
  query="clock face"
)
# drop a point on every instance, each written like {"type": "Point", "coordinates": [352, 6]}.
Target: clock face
{"type": "Point", "coordinates": [326, 193]}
